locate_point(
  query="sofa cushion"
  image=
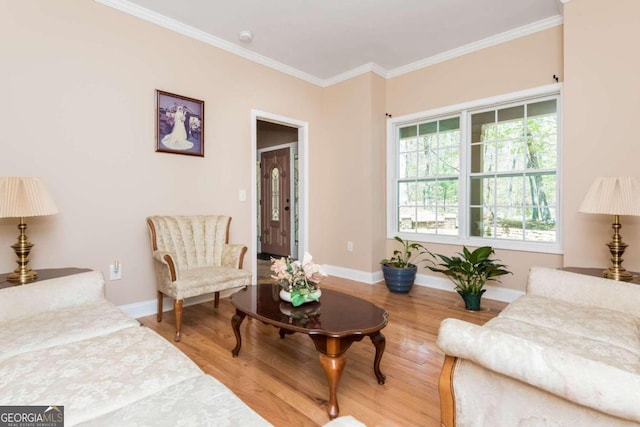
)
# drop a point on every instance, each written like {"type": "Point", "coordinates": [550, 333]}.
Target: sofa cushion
{"type": "Point", "coordinates": [199, 401]}
{"type": "Point", "coordinates": [94, 376]}
{"type": "Point", "coordinates": [51, 328]}
{"type": "Point", "coordinates": [592, 323]}
{"type": "Point", "coordinates": [599, 350]}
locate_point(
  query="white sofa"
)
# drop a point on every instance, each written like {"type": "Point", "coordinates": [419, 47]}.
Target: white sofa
{"type": "Point", "coordinates": [64, 344]}
{"type": "Point", "coordinates": [565, 354]}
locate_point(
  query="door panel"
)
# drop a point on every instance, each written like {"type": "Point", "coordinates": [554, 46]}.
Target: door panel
{"type": "Point", "coordinates": [275, 204]}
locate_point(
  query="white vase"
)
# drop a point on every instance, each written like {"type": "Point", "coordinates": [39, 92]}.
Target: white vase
{"type": "Point", "coordinates": [286, 296]}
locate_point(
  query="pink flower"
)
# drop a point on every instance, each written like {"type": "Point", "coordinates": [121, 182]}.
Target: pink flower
{"type": "Point", "coordinates": [280, 269]}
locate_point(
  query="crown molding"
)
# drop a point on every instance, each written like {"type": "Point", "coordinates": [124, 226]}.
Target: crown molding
{"type": "Point", "coordinates": [371, 67]}
{"type": "Point", "coordinates": [525, 30]}
{"type": "Point", "coordinates": [189, 31]}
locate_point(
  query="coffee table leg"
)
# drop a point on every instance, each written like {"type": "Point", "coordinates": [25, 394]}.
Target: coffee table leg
{"type": "Point", "coordinates": [333, 367]}
{"type": "Point", "coordinates": [379, 342]}
{"type": "Point", "coordinates": [236, 320]}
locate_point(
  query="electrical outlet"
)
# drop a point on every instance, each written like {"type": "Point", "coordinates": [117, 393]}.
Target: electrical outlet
{"type": "Point", "coordinates": [115, 271]}
{"type": "Point", "coordinates": [350, 246]}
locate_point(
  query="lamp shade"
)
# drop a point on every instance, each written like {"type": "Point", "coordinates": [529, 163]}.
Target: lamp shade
{"type": "Point", "coordinates": [613, 196]}
{"type": "Point", "coordinates": [22, 196]}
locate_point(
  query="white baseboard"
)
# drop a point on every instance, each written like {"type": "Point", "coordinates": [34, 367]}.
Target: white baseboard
{"type": "Point", "coordinates": [357, 275]}
{"type": "Point", "coordinates": [147, 308]}
{"type": "Point", "coordinates": [493, 292]}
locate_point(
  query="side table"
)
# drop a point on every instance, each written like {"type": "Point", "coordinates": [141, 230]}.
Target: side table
{"type": "Point", "coordinates": [599, 272]}
{"type": "Point", "coordinates": [44, 274]}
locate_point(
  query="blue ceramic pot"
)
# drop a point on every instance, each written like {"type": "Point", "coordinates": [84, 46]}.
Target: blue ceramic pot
{"type": "Point", "coordinates": [399, 280]}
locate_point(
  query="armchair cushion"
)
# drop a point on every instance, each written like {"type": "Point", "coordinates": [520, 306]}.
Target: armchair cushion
{"type": "Point", "coordinates": [204, 280]}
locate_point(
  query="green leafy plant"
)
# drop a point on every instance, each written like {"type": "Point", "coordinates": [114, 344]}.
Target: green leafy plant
{"type": "Point", "coordinates": [469, 271]}
{"type": "Point", "coordinates": [407, 257]}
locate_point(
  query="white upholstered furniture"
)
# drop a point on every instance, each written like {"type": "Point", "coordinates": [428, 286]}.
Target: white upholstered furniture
{"type": "Point", "coordinates": [192, 256]}
{"type": "Point", "coordinates": [565, 354]}
{"type": "Point", "coordinates": [64, 344]}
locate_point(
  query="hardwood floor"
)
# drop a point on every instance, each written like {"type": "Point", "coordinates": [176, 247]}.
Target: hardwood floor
{"type": "Point", "coordinates": [283, 381]}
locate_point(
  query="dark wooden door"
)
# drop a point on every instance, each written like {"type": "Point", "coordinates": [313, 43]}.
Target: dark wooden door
{"type": "Point", "coordinates": [275, 204]}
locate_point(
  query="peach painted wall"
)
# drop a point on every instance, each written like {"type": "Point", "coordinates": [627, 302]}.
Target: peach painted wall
{"type": "Point", "coordinates": [524, 63]}
{"type": "Point", "coordinates": [378, 179]}
{"type": "Point", "coordinates": [349, 166]}
{"type": "Point", "coordinates": [78, 92]}
{"type": "Point", "coordinates": [602, 105]}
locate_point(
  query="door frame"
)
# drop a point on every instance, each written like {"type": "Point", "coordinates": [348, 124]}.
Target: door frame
{"type": "Point", "coordinates": [303, 182]}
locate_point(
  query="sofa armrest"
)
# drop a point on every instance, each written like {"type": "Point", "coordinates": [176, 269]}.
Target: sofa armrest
{"type": "Point", "coordinates": [584, 381]}
{"type": "Point", "coordinates": [233, 255]}
{"type": "Point", "coordinates": [47, 295]}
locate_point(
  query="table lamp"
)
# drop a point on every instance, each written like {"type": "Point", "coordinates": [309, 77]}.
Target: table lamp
{"type": "Point", "coordinates": [22, 197]}
{"type": "Point", "coordinates": [614, 196]}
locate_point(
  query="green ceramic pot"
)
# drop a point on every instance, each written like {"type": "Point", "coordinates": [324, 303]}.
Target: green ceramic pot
{"type": "Point", "coordinates": [472, 300]}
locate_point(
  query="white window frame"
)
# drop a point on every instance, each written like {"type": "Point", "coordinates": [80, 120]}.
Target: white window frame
{"type": "Point", "coordinates": [463, 110]}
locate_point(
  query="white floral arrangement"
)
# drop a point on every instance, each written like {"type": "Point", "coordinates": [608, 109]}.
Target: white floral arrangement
{"type": "Point", "coordinates": [300, 279]}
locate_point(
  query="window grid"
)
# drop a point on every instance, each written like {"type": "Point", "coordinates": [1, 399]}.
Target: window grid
{"type": "Point", "coordinates": [427, 189]}
{"type": "Point", "coordinates": [490, 217]}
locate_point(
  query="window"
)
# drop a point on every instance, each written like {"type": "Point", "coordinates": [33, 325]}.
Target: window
{"type": "Point", "coordinates": [275, 194]}
{"type": "Point", "coordinates": [481, 173]}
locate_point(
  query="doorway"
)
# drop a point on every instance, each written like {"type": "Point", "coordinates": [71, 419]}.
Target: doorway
{"type": "Point", "coordinates": [279, 180]}
{"type": "Point", "coordinates": [277, 197]}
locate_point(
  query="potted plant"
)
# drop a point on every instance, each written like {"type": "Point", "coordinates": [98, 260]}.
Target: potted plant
{"type": "Point", "coordinates": [400, 270]}
{"type": "Point", "coordinates": [469, 272]}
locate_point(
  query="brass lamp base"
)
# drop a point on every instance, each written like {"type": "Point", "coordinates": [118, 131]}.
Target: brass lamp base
{"type": "Point", "coordinates": [23, 273]}
{"type": "Point", "coordinates": [617, 247]}
{"type": "Point", "coordinates": [623, 275]}
{"type": "Point", "coordinates": [22, 277]}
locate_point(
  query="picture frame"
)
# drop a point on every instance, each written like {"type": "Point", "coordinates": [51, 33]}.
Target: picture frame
{"type": "Point", "coordinates": [179, 124]}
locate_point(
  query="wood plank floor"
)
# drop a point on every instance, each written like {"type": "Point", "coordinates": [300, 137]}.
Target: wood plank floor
{"type": "Point", "coordinates": [283, 381]}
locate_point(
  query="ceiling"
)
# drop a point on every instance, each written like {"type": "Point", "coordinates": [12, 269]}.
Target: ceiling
{"type": "Point", "coordinates": [325, 39]}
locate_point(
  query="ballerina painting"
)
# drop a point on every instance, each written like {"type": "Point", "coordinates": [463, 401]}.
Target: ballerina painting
{"type": "Point", "coordinates": [179, 124]}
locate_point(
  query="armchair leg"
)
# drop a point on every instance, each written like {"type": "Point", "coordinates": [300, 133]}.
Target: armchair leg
{"type": "Point", "coordinates": [159, 314]}
{"type": "Point", "coordinates": [177, 309]}
{"type": "Point", "coordinates": [216, 300]}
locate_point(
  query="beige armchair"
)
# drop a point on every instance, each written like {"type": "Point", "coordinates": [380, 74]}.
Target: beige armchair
{"type": "Point", "coordinates": [192, 257]}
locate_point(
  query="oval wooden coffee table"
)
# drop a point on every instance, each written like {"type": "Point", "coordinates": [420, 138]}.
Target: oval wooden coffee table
{"type": "Point", "coordinates": [333, 324]}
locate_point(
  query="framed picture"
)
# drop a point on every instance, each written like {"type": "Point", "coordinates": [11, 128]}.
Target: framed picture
{"type": "Point", "coordinates": [179, 124]}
